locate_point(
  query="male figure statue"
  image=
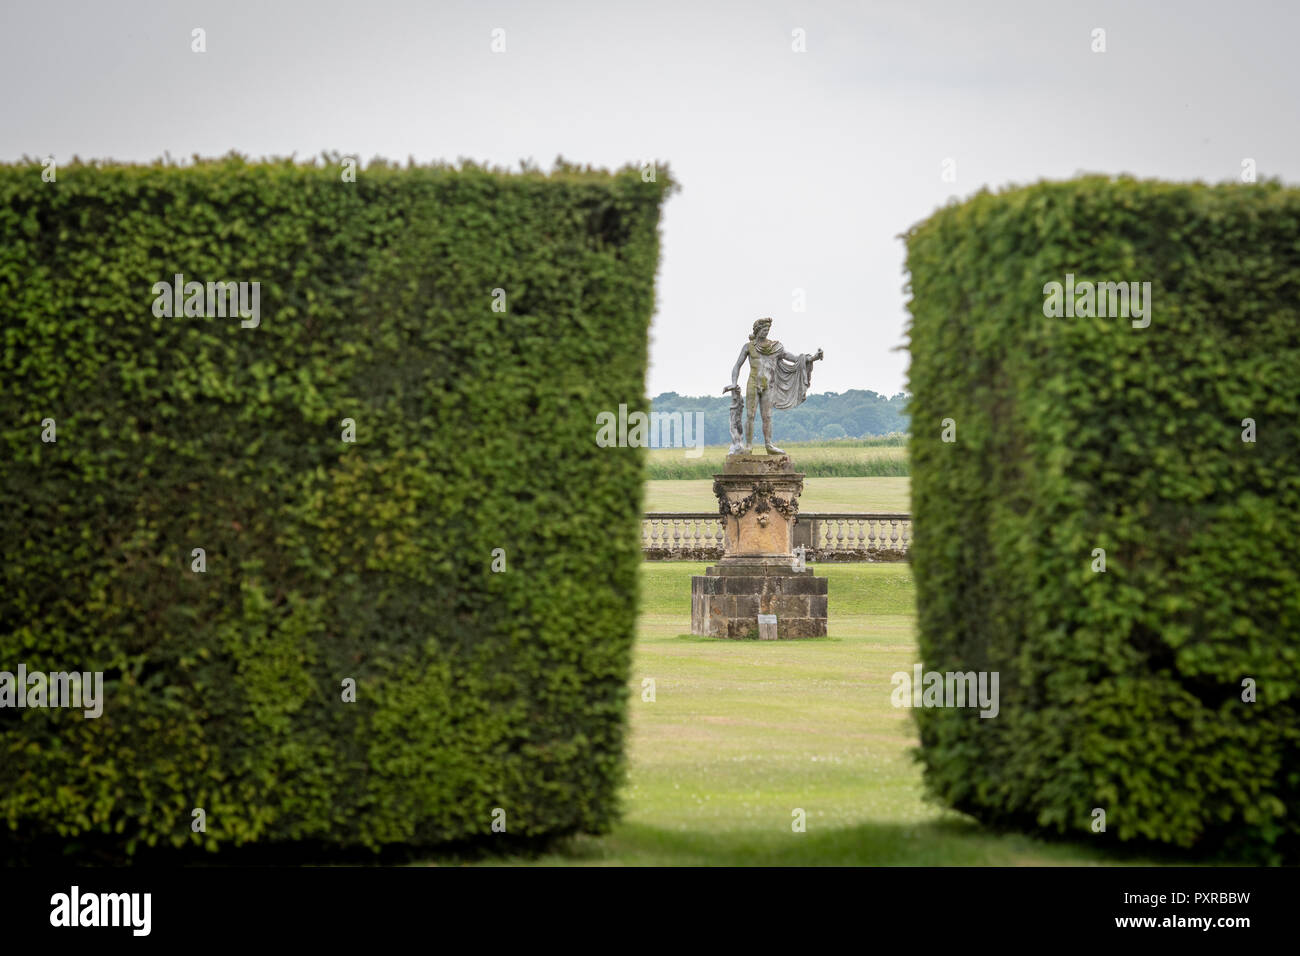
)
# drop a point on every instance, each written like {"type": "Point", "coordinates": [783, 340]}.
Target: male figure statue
{"type": "Point", "coordinates": [777, 379]}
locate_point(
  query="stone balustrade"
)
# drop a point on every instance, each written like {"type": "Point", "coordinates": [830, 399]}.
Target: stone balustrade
{"type": "Point", "coordinates": [682, 535]}
{"type": "Point", "coordinates": [828, 536]}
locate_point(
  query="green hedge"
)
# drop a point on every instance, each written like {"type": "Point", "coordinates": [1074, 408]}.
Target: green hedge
{"type": "Point", "coordinates": [1120, 690]}
{"type": "Point", "coordinates": [325, 560]}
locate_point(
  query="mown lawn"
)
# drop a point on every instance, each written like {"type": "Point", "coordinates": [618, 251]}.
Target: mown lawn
{"type": "Point", "coordinates": [820, 494]}
{"type": "Point", "coordinates": [858, 458]}
{"type": "Point", "coordinates": [742, 733]}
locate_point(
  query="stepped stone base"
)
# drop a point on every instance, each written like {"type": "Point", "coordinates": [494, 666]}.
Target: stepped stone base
{"type": "Point", "coordinates": [727, 599]}
{"type": "Point", "coordinates": [758, 496]}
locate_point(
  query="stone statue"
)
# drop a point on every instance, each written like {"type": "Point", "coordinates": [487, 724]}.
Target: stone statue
{"type": "Point", "coordinates": [777, 379]}
{"type": "Point", "coordinates": [737, 420]}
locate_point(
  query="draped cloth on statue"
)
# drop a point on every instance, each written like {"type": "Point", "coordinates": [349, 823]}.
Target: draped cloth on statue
{"type": "Point", "coordinates": [786, 379]}
{"type": "Point", "coordinates": [790, 379]}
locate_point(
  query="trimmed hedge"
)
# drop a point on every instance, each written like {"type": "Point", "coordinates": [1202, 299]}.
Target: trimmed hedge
{"type": "Point", "coordinates": [1120, 690]}
{"type": "Point", "coordinates": [325, 560]}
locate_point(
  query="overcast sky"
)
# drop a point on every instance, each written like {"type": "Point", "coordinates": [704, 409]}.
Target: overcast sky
{"type": "Point", "coordinates": [798, 170]}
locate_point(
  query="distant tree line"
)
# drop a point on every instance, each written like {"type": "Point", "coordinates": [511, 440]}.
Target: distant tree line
{"type": "Point", "coordinates": [857, 413]}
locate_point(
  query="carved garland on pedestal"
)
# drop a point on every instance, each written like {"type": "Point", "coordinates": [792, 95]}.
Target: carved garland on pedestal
{"type": "Point", "coordinates": [762, 499]}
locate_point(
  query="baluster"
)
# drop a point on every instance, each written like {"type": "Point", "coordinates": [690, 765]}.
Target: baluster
{"type": "Point", "coordinates": [698, 534]}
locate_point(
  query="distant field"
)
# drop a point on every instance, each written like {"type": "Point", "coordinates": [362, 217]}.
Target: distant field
{"type": "Point", "coordinates": [857, 458]}
{"type": "Point", "coordinates": [820, 494]}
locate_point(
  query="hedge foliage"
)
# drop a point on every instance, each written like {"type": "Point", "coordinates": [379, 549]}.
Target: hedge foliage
{"type": "Point", "coordinates": [1120, 690]}
{"type": "Point", "coordinates": [325, 560]}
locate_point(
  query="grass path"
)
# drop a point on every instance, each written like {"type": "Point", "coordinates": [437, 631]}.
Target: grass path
{"type": "Point", "coordinates": [820, 494]}
{"type": "Point", "coordinates": [741, 733]}
{"type": "Point", "coordinates": [847, 459]}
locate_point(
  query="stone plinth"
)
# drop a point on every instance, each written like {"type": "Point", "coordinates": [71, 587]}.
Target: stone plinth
{"type": "Point", "coordinates": [758, 495]}
{"type": "Point", "coordinates": [726, 601]}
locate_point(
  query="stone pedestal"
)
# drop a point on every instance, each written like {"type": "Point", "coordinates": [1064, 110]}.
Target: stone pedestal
{"type": "Point", "coordinates": [759, 497]}
{"type": "Point", "coordinates": [726, 601]}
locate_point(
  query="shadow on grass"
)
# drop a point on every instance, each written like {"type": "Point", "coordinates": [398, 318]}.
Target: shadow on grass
{"type": "Point", "coordinates": [700, 639]}
{"type": "Point", "coordinates": [953, 842]}
{"type": "Point", "coordinates": [950, 842]}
